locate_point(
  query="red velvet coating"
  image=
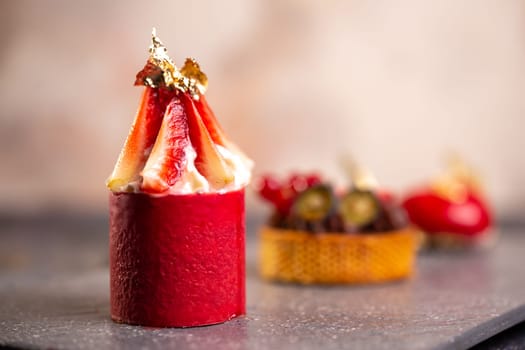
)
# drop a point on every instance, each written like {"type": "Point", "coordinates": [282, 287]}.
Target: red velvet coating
{"type": "Point", "coordinates": [177, 260]}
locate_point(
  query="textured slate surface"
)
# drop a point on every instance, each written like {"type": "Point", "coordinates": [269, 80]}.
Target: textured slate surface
{"type": "Point", "coordinates": [54, 294]}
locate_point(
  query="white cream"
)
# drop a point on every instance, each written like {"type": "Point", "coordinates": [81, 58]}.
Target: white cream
{"type": "Point", "coordinates": [192, 181]}
{"type": "Point", "coordinates": [242, 168]}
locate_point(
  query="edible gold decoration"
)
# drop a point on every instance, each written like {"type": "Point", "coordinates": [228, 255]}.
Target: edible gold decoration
{"type": "Point", "coordinates": [161, 72]}
{"type": "Point", "coordinates": [458, 179]}
{"type": "Point", "coordinates": [195, 79]}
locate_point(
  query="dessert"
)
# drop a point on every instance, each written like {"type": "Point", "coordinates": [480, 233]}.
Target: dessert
{"type": "Point", "coordinates": [177, 230]}
{"type": "Point", "coordinates": [452, 210]}
{"type": "Point", "coordinates": [320, 235]}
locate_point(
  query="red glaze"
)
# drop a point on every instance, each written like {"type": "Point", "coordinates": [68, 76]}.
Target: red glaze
{"type": "Point", "coordinates": [435, 214]}
{"type": "Point", "coordinates": [177, 260]}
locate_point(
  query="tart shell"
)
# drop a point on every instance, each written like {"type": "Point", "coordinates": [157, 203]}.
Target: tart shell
{"type": "Point", "coordinates": [337, 258]}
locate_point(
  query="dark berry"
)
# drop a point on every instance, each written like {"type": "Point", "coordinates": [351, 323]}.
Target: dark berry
{"type": "Point", "coordinates": [314, 204]}
{"type": "Point", "coordinates": [359, 208]}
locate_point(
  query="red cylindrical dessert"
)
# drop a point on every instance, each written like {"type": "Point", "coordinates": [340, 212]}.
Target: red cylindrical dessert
{"type": "Point", "coordinates": [177, 206]}
{"type": "Point", "coordinates": [177, 260]}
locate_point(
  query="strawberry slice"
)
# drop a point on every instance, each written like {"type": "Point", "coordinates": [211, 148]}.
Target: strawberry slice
{"type": "Point", "coordinates": [209, 161]}
{"type": "Point", "coordinates": [167, 160]}
{"type": "Point", "coordinates": [139, 141]}
{"type": "Point", "coordinates": [208, 117]}
{"type": "Point", "coordinates": [215, 130]}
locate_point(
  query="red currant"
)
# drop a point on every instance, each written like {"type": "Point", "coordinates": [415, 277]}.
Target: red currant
{"type": "Point", "coordinates": [298, 183]}
{"type": "Point", "coordinates": [313, 179]}
{"type": "Point", "coordinates": [268, 187]}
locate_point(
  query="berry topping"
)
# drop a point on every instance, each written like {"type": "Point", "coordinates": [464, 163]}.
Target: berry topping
{"type": "Point", "coordinates": [168, 156]}
{"type": "Point", "coordinates": [268, 187]}
{"type": "Point", "coordinates": [305, 202]}
{"type": "Point", "coordinates": [139, 142]}
{"type": "Point", "coordinates": [209, 119]}
{"type": "Point", "coordinates": [298, 183]}
{"type": "Point", "coordinates": [313, 179]}
{"type": "Point", "coordinates": [176, 145]}
{"type": "Point", "coordinates": [314, 204]}
{"type": "Point", "coordinates": [359, 208]}
{"type": "Point", "coordinates": [283, 194]}
{"type": "Point", "coordinates": [209, 161]}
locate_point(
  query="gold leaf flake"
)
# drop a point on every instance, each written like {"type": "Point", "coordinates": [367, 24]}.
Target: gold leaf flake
{"type": "Point", "coordinates": [458, 179]}
{"type": "Point", "coordinates": [194, 78]}
{"type": "Point", "coordinates": [160, 71]}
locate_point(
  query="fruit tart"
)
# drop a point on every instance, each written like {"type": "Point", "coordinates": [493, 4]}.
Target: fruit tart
{"type": "Point", "coordinates": [452, 210]}
{"type": "Point", "coordinates": [177, 230]}
{"type": "Point", "coordinates": [320, 235]}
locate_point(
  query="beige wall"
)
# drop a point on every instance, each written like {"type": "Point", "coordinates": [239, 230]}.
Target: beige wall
{"type": "Point", "coordinates": [295, 82]}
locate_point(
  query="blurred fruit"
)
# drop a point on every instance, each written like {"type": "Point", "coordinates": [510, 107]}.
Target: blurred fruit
{"type": "Point", "coordinates": [167, 160]}
{"type": "Point", "coordinates": [268, 187]}
{"type": "Point", "coordinates": [359, 208]}
{"type": "Point", "coordinates": [303, 202]}
{"type": "Point", "coordinates": [313, 179]}
{"type": "Point", "coordinates": [139, 142]}
{"type": "Point", "coordinates": [298, 183]}
{"type": "Point", "coordinates": [314, 204]}
{"type": "Point", "coordinates": [285, 199]}
{"type": "Point", "coordinates": [272, 190]}
{"type": "Point", "coordinates": [283, 194]}
{"type": "Point", "coordinates": [209, 161]}
{"type": "Point", "coordinates": [385, 196]}
{"type": "Point", "coordinates": [434, 213]}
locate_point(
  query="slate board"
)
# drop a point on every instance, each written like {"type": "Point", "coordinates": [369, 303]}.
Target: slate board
{"type": "Point", "coordinates": [54, 294]}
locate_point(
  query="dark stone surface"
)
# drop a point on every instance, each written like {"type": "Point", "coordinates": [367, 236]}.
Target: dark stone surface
{"type": "Point", "coordinates": [54, 294]}
{"type": "Point", "coordinates": [510, 339]}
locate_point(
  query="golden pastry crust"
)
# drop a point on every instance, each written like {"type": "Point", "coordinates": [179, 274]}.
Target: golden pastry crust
{"type": "Point", "coordinates": [337, 258]}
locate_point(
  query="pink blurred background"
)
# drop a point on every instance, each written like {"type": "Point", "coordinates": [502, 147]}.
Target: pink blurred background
{"type": "Point", "coordinates": [295, 83]}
